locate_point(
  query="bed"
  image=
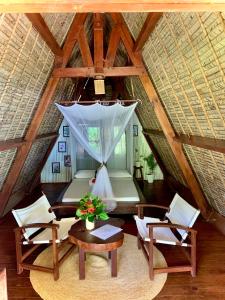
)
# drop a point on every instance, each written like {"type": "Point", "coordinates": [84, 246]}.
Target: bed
{"type": "Point", "coordinates": [122, 184]}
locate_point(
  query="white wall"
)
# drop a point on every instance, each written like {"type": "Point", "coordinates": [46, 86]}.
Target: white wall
{"type": "Point", "coordinates": [65, 174]}
{"type": "Point", "coordinates": [142, 150]}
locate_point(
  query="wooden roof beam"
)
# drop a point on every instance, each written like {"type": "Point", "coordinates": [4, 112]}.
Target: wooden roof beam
{"type": "Point", "coordinates": [84, 49]}
{"type": "Point", "coordinates": [15, 143]}
{"type": "Point", "coordinates": [112, 47]}
{"type": "Point", "coordinates": [39, 23]}
{"type": "Point", "coordinates": [212, 144]}
{"type": "Point", "coordinates": [77, 6]}
{"type": "Point", "coordinates": [91, 72]}
{"type": "Point", "coordinates": [146, 30]}
{"type": "Point", "coordinates": [98, 43]}
{"type": "Point", "coordinates": [127, 39]}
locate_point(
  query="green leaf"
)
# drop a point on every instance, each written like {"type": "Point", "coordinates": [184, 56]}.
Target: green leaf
{"type": "Point", "coordinates": [103, 216]}
{"type": "Point", "coordinates": [91, 218]}
{"type": "Point", "coordinates": [78, 213]}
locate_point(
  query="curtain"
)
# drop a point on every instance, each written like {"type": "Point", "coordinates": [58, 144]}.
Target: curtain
{"type": "Point", "coordinates": [105, 125]}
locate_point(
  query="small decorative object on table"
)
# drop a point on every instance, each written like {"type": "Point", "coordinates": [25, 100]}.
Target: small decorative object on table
{"type": "Point", "coordinates": [90, 208]}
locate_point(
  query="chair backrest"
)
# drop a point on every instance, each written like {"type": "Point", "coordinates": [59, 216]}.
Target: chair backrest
{"type": "Point", "coordinates": [37, 212]}
{"type": "Point", "coordinates": [182, 213]}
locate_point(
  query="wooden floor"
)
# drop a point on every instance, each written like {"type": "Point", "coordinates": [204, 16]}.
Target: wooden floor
{"type": "Point", "coordinates": [210, 280]}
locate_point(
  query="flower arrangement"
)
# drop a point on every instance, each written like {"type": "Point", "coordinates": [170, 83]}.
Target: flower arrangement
{"type": "Point", "coordinates": [91, 207]}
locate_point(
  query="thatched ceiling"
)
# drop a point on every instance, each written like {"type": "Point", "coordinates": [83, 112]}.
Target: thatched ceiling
{"type": "Point", "coordinates": [185, 56]}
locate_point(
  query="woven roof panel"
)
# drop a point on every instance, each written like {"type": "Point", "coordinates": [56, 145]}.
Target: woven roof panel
{"type": "Point", "coordinates": [168, 158]}
{"type": "Point", "coordinates": [209, 169]}
{"type": "Point", "coordinates": [53, 117]}
{"type": "Point", "coordinates": [182, 58]}
{"type": "Point", "coordinates": [185, 56]}
{"type": "Point", "coordinates": [145, 108]}
{"type": "Point", "coordinates": [25, 65]}
{"type": "Point", "coordinates": [6, 159]}
{"type": "Point", "coordinates": [33, 160]}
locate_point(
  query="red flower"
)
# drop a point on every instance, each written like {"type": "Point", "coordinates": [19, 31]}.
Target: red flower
{"type": "Point", "coordinates": [89, 202]}
{"type": "Point", "coordinates": [83, 212]}
{"type": "Point", "coordinates": [93, 180]}
{"type": "Point", "coordinates": [91, 210]}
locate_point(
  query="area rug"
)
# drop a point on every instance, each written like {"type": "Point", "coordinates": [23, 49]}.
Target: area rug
{"type": "Point", "coordinates": [132, 282]}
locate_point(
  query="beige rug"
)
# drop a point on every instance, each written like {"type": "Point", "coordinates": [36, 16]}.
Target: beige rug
{"type": "Point", "coordinates": [132, 282]}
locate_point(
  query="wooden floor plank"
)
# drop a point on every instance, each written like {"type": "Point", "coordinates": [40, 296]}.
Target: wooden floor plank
{"type": "Point", "coordinates": [209, 283]}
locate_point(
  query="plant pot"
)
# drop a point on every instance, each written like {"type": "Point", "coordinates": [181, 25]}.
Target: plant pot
{"type": "Point", "coordinates": [150, 178]}
{"type": "Point", "coordinates": [137, 163]}
{"type": "Point", "coordinates": [89, 225]}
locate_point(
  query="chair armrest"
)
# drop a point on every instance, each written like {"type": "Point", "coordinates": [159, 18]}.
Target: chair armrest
{"type": "Point", "coordinates": [173, 226]}
{"type": "Point", "coordinates": [141, 207]}
{"type": "Point", "coordinates": [55, 207]}
{"type": "Point", "coordinates": [38, 225]}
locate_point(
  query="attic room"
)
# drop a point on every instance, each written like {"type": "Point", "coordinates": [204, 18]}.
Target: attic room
{"type": "Point", "coordinates": [112, 149]}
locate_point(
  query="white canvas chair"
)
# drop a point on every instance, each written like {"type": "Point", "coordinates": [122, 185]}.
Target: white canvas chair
{"type": "Point", "coordinates": [31, 219]}
{"type": "Point", "coordinates": [180, 217]}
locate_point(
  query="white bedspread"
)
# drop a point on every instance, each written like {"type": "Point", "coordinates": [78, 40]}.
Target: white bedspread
{"type": "Point", "coordinates": [124, 190]}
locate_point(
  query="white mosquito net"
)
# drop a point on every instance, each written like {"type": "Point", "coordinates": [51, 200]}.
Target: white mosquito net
{"type": "Point", "coordinates": [107, 124]}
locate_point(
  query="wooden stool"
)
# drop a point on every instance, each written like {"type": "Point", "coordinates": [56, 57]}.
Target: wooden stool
{"type": "Point", "coordinates": [141, 172]}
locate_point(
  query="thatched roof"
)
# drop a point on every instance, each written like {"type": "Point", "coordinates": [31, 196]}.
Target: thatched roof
{"type": "Point", "coordinates": [185, 57]}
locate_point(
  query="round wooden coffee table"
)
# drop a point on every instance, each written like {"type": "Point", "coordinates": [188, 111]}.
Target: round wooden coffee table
{"type": "Point", "coordinates": [87, 242]}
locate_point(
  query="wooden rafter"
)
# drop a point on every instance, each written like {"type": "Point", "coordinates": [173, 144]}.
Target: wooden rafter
{"type": "Point", "coordinates": [15, 143]}
{"type": "Point", "coordinates": [147, 28]}
{"type": "Point", "coordinates": [127, 39]}
{"type": "Point", "coordinates": [112, 47]}
{"type": "Point", "coordinates": [175, 146]}
{"type": "Point", "coordinates": [30, 6]}
{"type": "Point", "coordinates": [39, 23]}
{"type": "Point", "coordinates": [44, 103]}
{"type": "Point", "coordinates": [153, 132]}
{"type": "Point", "coordinates": [213, 144]}
{"type": "Point", "coordinates": [98, 43]}
{"type": "Point", "coordinates": [91, 72]}
{"type": "Point", "coordinates": [164, 120]}
{"type": "Point", "coordinates": [84, 49]}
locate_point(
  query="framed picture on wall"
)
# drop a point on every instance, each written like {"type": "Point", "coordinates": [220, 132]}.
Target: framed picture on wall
{"type": "Point", "coordinates": [135, 130]}
{"type": "Point", "coordinates": [67, 160]}
{"type": "Point", "coordinates": [56, 167]}
{"type": "Point", "coordinates": [61, 146]}
{"type": "Point", "coordinates": [66, 131]}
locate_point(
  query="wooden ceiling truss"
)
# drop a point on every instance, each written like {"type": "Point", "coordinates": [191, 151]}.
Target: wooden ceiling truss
{"type": "Point", "coordinates": [81, 6]}
{"type": "Point", "coordinates": [100, 66]}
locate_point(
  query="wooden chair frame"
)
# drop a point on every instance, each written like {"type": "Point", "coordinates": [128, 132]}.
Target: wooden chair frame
{"type": "Point", "coordinates": [56, 247]}
{"type": "Point", "coordinates": [142, 244]}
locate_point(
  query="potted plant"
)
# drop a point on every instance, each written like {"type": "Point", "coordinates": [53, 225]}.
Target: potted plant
{"type": "Point", "coordinates": [137, 162]}
{"type": "Point", "coordinates": [91, 208]}
{"type": "Point", "coordinates": [151, 165]}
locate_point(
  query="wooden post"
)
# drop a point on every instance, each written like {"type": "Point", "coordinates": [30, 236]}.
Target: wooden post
{"type": "Point", "coordinates": [98, 43]}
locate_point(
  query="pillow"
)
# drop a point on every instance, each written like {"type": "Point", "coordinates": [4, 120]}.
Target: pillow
{"type": "Point", "coordinates": [119, 174]}
{"type": "Point", "coordinates": [85, 174]}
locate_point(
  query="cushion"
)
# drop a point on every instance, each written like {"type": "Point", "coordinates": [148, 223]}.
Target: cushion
{"type": "Point", "coordinates": [119, 174]}
{"type": "Point", "coordinates": [85, 174]}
